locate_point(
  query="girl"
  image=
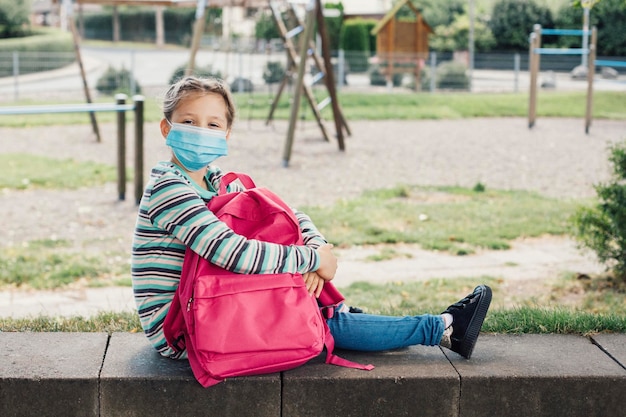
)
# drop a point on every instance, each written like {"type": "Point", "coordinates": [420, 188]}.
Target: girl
{"type": "Point", "coordinates": [198, 116]}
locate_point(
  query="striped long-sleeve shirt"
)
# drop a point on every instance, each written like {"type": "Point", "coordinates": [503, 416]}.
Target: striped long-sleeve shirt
{"type": "Point", "coordinates": [173, 216]}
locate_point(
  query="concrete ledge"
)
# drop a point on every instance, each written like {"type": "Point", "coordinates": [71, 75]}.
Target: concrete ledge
{"type": "Point", "coordinates": [137, 381]}
{"type": "Point", "coordinates": [46, 374]}
{"type": "Point", "coordinates": [93, 374]}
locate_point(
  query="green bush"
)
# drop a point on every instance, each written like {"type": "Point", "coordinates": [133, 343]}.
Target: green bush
{"type": "Point", "coordinates": [13, 18]}
{"type": "Point", "coordinates": [452, 75]}
{"type": "Point", "coordinates": [333, 25]}
{"type": "Point", "coordinates": [378, 78]}
{"type": "Point", "coordinates": [512, 20]}
{"type": "Point", "coordinates": [42, 39]}
{"type": "Point", "coordinates": [203, 72]}
{"type": "Point", "coordinates": [354, 40]}
{"type": "Point", "coordinates": [274, 72]}
{"type": "Point", "coordinates": [266, 28]}
{"type": "Point", "coordinates": [45, 50]}
{"type": "Point", "coordinates": [602, 228]}
{"type": "Point", "coordinates": [115, 81]}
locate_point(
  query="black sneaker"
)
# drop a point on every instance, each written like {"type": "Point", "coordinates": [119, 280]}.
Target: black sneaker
{"type": "Point", "coordinates": [468, 315]}
{"type": "Point", "coordinates": [355, 310]}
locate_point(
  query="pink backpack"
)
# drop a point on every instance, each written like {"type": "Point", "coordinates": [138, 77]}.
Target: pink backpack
{"type": "Point", "coordinates": [236, 325]}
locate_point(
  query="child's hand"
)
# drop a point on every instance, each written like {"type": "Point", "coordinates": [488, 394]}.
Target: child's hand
{"type": "Point", "coordinates": [328, 262]}
{"type": "Point", "coordinates": [314, 283]}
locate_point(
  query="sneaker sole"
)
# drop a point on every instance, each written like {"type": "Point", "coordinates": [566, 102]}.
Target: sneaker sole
{"type": "Point", "coordinates": [466, 346]}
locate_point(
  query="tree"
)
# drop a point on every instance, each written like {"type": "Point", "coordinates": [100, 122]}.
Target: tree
{"type": "Point", "coordinates": [609, 17]}
{"type": "Point", "coordinates": [354, 40]}
{"type": "Point", "coordinates": [437, 13]}
{"type": "Point", "coordinates": [513, 20]}
{"type": "Point", "coordinates": [13, 17]}
{"type": "Point", "coordinates": [455, 37]}
{"type": "Point", "coordinates": [266, 28]}
{"type": "Point", "coordinates": [611, 27]}
{"type": "Point", "coordinates": [333, 25]}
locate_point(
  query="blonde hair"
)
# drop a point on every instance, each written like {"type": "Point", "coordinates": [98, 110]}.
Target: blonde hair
{"type": "Point", "coordinates": [190, 85]}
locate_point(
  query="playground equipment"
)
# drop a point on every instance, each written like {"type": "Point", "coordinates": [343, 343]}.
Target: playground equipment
{"type": "Point", "coordinates": [534, 60]}
{"type": "Point", "coordinates": [534, 63]}
{"type": "Point", "coordinates": [401, 45]}
{"type": "Point", "coordinates": [121, 108]}
{"type": "Point", "coordinates": [297, 63]}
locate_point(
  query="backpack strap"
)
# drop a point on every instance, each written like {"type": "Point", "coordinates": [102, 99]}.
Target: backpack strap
{"type": "Point", "coordinates": [230, 177]}
{"type": "Point", "coordinates": [333, 359]}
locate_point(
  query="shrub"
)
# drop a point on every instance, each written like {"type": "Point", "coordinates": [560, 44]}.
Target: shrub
{"type": "Point", "coordinates": [355, 42]}
{"type": "Point", "coordinates": [512, 21]}
{"type": "Point", "coordinates": [602, 228]}
{"type": "Point", "coordinates": [13, 18]}
{"type": "Point", "coordinates": [115, 81]}
{"type": "Point", "coordinates": [452, 75]}
{"type": "Point", "coordinates": [274, 72]}
{"type": "Point", "coordinates": [202, 72]}
{"type": "Point", "coordinates": [42, 39]}
{"type": "Point", "coordinates": [45, 50]}
{"type": "Point", "coordinates": [378, 78]}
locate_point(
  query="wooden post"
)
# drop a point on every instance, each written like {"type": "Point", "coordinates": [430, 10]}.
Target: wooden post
{"type": "Point", "coordinates": [419, 35]}
{"type": "Point", "coordinates": [198, 29]}
{"type": "Point", "coordinates": [116, 25]}
{"type": "Point", "coordinates": [92, 115]}
{"type": "Point", "coordinates": [391, 28]}
{"type": "Point", "coordinates": [120, 99]}
{"type": "Point", "coordinates": [533, 63]}
{"type": "Point", "coordinates": [139, 108]}
{"type": "Point", "coordinates": [295, 106]}
{"type": "Point", "coordinates": [160, 31]}
{"type": "Point", "coordinates": [591, 72]}
{"type": "Point", "coordinates": [330, 78]}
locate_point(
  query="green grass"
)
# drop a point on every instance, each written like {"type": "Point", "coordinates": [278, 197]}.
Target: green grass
{"type": "Point", "coordinates": [453, 219]}
{"type": "Point", "coordinates": [25, 171]}
{"type": "Point", "coordinates": [596, 314]}
{"type": "Point", "coordinates": [104, 322]}
{"type": "Point", "coordinates": [421, 106]}
{"type": "Point", "coordinates": [396, 299]}
{"type": "Point", "coordinates": [377, 106]}
{"type": "Point", "coordinates": [50, 264]}
{"type": "Point", "coordinates": [553, 321]}
{"type": "Point", "coordinates": [457, 220]}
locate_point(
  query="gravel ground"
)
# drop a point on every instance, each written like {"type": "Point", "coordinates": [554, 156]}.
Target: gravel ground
{"type": "Point", "coordinates": [556, 158]}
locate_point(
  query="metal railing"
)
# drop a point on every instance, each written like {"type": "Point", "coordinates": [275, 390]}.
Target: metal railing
{"type": "Point", "coordinates": [121, 107]}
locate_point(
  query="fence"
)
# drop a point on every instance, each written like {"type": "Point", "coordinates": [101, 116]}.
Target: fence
{"type": "Point", "coordinates": [249, 70]}
{"type": "Point", "coordinates": [121, 108]}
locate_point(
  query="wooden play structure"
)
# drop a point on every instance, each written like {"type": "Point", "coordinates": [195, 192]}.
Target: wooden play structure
{"type": "Point", "coordinates": [298, 58]}
{"type": "Point", "coordinates": [402, 46]}
{"type": "Point", "coordinates": [535, 52]}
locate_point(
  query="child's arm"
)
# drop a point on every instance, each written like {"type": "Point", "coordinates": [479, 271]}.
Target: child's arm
{"type": "Point", "coordinates": [311, 236]}
{"type": "Point", "coordinates": [177, 209]}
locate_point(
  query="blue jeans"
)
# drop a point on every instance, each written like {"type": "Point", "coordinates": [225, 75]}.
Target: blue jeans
{"type": "Point", "coordinates": [369, 332]}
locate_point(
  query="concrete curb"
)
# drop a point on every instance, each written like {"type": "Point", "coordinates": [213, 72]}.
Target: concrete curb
{"type": "Point", "coordinates": [94, 374]}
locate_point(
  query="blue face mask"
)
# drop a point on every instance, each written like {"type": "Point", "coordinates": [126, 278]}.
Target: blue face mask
{"type": "Point", "coordinates": [196, 147]}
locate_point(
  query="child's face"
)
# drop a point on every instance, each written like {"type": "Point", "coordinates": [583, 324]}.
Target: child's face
{"type": "Point", "coordinates": [202, 110]}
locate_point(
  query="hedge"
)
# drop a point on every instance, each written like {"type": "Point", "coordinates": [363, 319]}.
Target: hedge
{"type": "Point", "coordinates": [44, 39]}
